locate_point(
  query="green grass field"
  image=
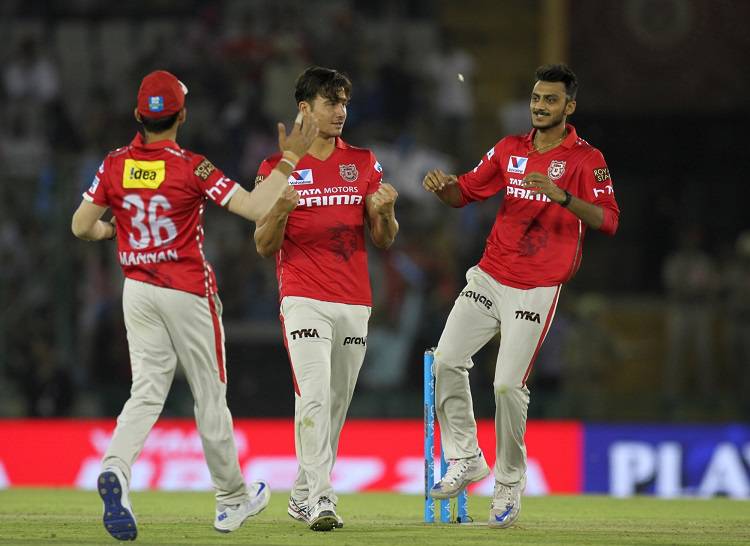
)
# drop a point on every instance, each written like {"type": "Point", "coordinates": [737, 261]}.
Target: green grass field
{"type": "Point", "coordinates": [62, 516]}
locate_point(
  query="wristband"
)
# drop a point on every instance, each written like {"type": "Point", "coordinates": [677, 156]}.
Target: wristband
{"type": "Point", "coordinates": [288, 162]}
{"type": "Point", "coordinates": [568, 198]}
{"type": "Point", "coordinates": [290, 156]}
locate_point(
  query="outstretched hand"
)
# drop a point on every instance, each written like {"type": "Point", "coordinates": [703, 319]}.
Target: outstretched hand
{"type": "Point", "coordinates": [437, 180]}
{"type": "Point", "coordinates": [302, 136]}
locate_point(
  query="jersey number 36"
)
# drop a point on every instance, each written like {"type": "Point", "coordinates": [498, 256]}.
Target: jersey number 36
{"type": "Point", "coordinates": [154, 230]}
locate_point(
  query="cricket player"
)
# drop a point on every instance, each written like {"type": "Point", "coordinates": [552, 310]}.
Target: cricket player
{"type": "Point", "coordinates": [316, 231]}
{"type": "Point", "coordinates": [158, 193]}
{"type": "Point", "coordinates": [555, 186]}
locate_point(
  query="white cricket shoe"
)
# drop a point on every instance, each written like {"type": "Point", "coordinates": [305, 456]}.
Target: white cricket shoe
{"type": "Point", "coordinates": [506, 504]}
{"type": "Point", "coordinates": [460, 473]}
{"type": "Point", "coordinates": [118, 517]}
{"type": "Point", "coordinates": [300, 511]}
{"type": "Point", "coordinates": [323, 515]}
{"type": "Point", "coordinates": [230, 518]}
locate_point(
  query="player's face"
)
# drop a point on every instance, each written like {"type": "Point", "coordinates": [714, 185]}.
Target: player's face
{"type": "Point", "coordinates": [330, 114]}
{"type": "Point", "coordinates": [549, 105]}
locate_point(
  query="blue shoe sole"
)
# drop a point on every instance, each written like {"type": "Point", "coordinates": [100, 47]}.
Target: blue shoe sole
{"type": "Point", "coordinates": [118, 521]}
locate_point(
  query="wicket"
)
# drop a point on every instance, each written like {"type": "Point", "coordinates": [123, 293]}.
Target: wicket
{"type": "Point", "coordinates": [462, 515]}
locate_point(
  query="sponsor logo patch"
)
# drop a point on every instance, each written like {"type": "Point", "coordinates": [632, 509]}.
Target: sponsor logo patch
{"type": "Point", "coordinates": [204, 169]}
{"type": "Point", "coordinates": [517, 164]}
{"type": "Point", "coordinates": [94, 185]}
{"type": "Point", "coordinates": [355, 340]}
{"type": "Point", "coordinates": [303, 177]}
{"type": "Point", "coordinates": [601, 174]}
{"type": "Point", "coordinates": [155, 104]}
{"type": "Point", "coordinates": [258, 179]}
{"type": "Point", "coordinates": [348, 172]}
{"type": "Point", "coordinates": [143, 174]}
{"type": "Point", "coordinates": [556, 169]}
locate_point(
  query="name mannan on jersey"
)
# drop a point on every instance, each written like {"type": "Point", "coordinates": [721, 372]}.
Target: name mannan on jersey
{"type": "Point", "coordinates": [157, 193]}
{"type": "Point", "coordinates": [323, 255]}
{"type": "Point", "coordinates": [534, 241]}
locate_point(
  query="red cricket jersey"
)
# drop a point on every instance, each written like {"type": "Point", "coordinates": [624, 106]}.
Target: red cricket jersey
{"type": "Point", "coordinates": [158, 193]}
{"type": "Point", "coordinates": [323, 255]}
{"type": "Point", "coordinates": [534, 241]}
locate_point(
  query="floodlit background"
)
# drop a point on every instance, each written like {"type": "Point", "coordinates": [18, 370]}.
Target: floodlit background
{"type": "Point", "coordinates": [655, 327]}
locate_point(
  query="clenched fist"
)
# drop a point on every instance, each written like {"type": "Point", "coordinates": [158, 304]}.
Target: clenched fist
{"type": "Point", "coordinates": [287, 201]}
{"type": "Point", "coordinates": [437, 180]}
{"type": "Point", "coordinates": [384, 199]}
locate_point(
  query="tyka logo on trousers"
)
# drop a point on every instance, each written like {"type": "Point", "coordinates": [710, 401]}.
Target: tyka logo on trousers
{"type": "Point", "coordinates": [528, 315]}
{"type": "Point", "coordinates": [304, 332]}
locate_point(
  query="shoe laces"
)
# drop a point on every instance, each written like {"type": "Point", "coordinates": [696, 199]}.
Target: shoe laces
{"type": "Point", "coordinates": [325, 499]}
{"type": "Point", "coordinates": [504, 496]}
{"type": "Point", "coordinates": [456, 467]}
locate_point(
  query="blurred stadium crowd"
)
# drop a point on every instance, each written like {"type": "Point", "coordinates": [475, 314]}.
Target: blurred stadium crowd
{"type": "Point", "coordinates": [676, 349]}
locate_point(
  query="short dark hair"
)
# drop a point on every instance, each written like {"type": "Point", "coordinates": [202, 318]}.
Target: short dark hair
{"type": "Point", "coordinates": [326, 82]}
{"type": "Point", "coordinates": [159, 125]}
{"type": "Point", "coordinates": [559, 73]}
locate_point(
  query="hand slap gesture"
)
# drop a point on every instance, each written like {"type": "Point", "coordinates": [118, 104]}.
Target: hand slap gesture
{"type": "Point", "coordinates": [302, 136]}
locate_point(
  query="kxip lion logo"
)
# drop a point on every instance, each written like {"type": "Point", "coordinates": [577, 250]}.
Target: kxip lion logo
{"type": "Point", "coordinates": [348, 172]}
{"type": "Point", "coordinates": [556, 170]}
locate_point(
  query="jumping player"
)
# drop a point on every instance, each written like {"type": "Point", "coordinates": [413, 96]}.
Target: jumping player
{"type": "Point", "coordinates": [555, 185]}
{"type": "Point", "coordinates": [317, 235]}
{"type": "Point", "coordinates": [158, 192]}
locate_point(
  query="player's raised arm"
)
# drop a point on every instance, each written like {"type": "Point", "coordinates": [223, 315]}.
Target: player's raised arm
{"type": "Point", "coordinates": [381, 215]}
{"type": "Point", "coordinates": [257, 203]}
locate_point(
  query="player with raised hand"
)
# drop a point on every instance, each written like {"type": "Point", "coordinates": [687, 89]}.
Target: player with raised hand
{"type": "Point", "coordinates": [555, 186]}
{"type": "Point", "coordinates": [321, 264]}
{"type": "Point", "coordinates": [158, 193]}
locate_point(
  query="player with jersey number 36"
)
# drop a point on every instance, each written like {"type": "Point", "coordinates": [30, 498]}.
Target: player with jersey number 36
{"type": "Point", "coordinates": [158, 192]}
{"type": "Point", "coordinates": [555, 185]}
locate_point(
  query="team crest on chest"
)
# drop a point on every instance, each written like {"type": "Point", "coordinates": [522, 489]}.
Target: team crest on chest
{"type": "Point", "coordinates": [348, 172]}
{"type": "Point", "coordinates": [556, 169]}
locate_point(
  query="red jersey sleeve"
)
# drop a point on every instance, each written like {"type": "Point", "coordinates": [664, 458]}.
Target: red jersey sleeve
{"type": "Point", "coordinates": [485, 180]}
{"type": "Point", "coordinates": [217, 187]}
{"type": "Point", "coordinates": [376, 175]}
{"type": "Point", "coordinates": [266, 166]}
{"type": "Point", "coordinates": [596, 184]}
{"type": "Point", "coordinates": [97, 192]}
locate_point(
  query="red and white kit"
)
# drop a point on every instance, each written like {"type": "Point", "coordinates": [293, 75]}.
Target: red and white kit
{"type": "Point", "coordinates": [534, 247]}
{"type": "Point", "coordinates": [157, 193]}
{"type": "Point", "coordinates": [324, 288]}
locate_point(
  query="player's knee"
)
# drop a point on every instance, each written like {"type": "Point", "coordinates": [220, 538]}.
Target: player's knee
{"type": "Point", "coordinates": [446, 361]}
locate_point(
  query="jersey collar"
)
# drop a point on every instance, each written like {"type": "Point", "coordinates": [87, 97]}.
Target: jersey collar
{"type": "Point", "coordinates": [138, 142]}
{"type": "Point", "coordinates": [569, 141]}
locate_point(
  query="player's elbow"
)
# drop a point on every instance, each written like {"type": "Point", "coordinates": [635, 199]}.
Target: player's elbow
{"type": "Point", "coordinates": [610, 223]}
{"type": "Point", "coordinates": [79, 228]}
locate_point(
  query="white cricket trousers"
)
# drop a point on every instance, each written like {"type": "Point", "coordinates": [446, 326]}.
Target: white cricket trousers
{"type": "Point", "coordinates": [165, 326]}
{"type": "Point", "coordinates": [326, 343]}
{"type": "Point", "coordinates": [484, 308]}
